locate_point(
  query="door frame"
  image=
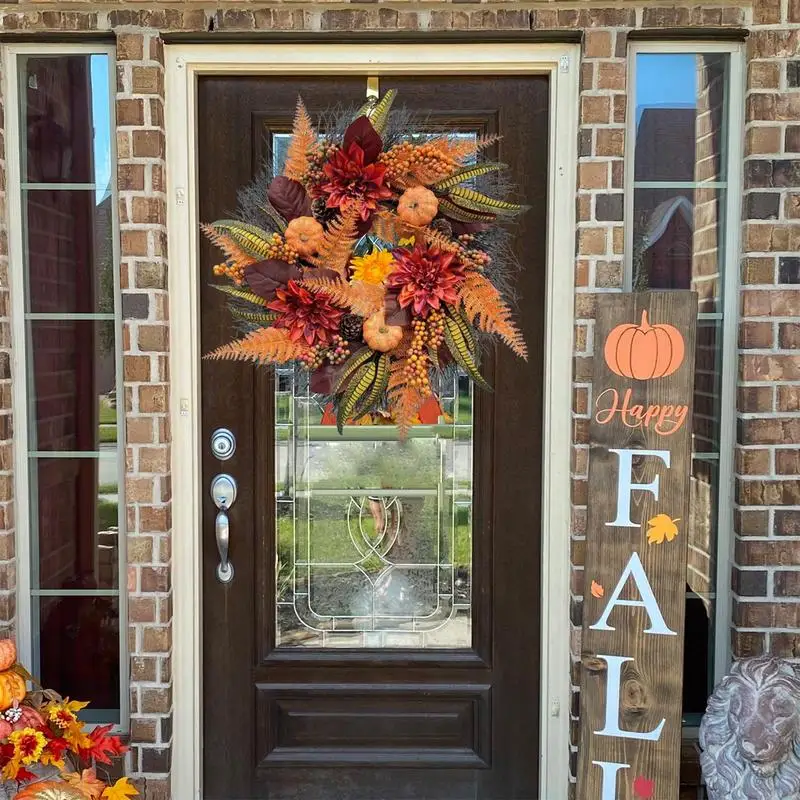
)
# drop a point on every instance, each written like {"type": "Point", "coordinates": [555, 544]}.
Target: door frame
{"type": "Point", "coordinates": [184, 64]}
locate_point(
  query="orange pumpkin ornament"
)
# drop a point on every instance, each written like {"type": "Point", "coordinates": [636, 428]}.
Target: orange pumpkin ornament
{"type": "Point", "coordinates": [644, 351]}
{"type": "Point", "coordinates": [417, 206]}
{"type": "Point", "coordinates": [49, 790]}
{"type": "Point", "coordinates": [8, 653]}
{"type": "Point", "coordinates": [304, 235]}
{"type": "Point", "coordinates": [380, 336]}
{"type": "Point", "coordinates": [12, 687]}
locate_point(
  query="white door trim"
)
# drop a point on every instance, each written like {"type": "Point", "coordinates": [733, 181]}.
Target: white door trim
{"type": "Point", "coordinates": [184, 63]}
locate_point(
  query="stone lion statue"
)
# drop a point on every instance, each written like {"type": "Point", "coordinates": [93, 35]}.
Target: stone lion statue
{"type": "Point", "coordinates": [750, 733]}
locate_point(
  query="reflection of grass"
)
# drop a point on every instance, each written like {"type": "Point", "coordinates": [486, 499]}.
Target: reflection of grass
{"type": "Point", "coordinates": [108, 434]}
{"type": "Point", "coordinates": [108, 414]}
{"type": "Point", "coordinates": [107, 515]}
{"type": "Point", "coordinates": [107, 488]}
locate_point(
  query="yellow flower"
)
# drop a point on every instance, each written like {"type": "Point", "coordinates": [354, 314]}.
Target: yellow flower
{"type": "Point", "coordinates": [372, 268]}
{"type": "Point", "coordinates": [65, 714]}
{"type": "Point", "coordinates": [28, 745]}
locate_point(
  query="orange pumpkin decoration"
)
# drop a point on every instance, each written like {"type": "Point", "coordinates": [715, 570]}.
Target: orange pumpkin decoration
{"type": "Point", "coordinates": [417, 206]}
{"type": "Point", "coordinates": [8, 653]}
{"type": "Point", "coordinates": [12, 687]}
{"type": "Point", "coordinates": [380, 336]}
{"type": "Point", "coordinates": [304, 235]}
{"type": "Point", "coordinates": [644, 351]}
{"type": "Point", "coordinates": [49, 790]}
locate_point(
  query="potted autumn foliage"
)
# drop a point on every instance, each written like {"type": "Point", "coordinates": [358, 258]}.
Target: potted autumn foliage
{"type": "Point", "coordinates": [46, 750]}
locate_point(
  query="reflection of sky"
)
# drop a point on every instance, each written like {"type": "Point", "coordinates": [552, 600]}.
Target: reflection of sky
{"type": "Point", "coordinates": [101, 117]}
{"type": "Point", "coordinates": [665, 80]}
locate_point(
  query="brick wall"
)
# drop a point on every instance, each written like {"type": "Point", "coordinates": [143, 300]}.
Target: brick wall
{"type": "Point", "coordinates": [768, 465]}
{"type": "Point", "coordinates": [767, 546]}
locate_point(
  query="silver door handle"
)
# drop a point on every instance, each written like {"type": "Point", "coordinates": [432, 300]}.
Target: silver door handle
{"type": "Point", "coordinates": [222, 528]}
{"type": "Point", "coordinates": [223, 493]}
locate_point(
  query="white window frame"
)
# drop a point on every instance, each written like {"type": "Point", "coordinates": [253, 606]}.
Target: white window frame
{"type": "Point", "coordinates": [723, 609]}
{"type": "Point", "coordinates": [21, 399]}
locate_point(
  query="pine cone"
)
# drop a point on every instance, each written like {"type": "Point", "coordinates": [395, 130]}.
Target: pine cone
{"type": "Point", "coordinates": [350, 327]}
{"type": "Point", "coordinates": [321, 212]}
{"type": "Point", "coordinates": [443, 226]}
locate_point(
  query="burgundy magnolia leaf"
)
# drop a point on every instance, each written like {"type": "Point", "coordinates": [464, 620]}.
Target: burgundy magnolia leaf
{"type": "Point", "coordinates": [366, 137]}
{"type": "Point", "coordinates": [322, 380]}
{"type": "Point", "coordinates": [289, 198]}
{"type": "Point", "coordinates": [264, 277]}
{"type": "Point", "coordinates": [468, 227]}
{"type": "Point", "coordinates": [394, 313]}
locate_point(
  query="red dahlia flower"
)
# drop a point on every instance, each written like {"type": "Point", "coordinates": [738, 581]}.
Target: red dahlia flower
{"type": "Point", "coordinates": [305, 315]}
{"type": "Point", "coordinates": [352, 183]}
{"type": "Point", "coordinates": [427, 277]}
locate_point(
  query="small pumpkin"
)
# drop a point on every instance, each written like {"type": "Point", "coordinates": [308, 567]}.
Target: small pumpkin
{"type": "Point", "coordinates": [380, 336]}
{"type": "Point", "coordinates": [49, 790]}
{"type": "Point", "coordinates": [8, 653]}
{"type": "Point", "coordinates": [644, 351]}
{"type": "Point", "coordinates": [304, 235]}
{"type": "Point", "coordinates": [12, 687]}
{"type": "Point", "coordinates": [417, 206]}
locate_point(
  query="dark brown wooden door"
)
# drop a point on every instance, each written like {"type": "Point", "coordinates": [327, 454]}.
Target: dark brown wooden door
{"type": "Point", "coordinates": [380, 638]}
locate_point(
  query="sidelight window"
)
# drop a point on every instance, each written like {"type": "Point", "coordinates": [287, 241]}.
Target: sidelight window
{"type": "Point", "coordinates": [68, 390]}
{"type": "Point", "coordinates": [682, 214]}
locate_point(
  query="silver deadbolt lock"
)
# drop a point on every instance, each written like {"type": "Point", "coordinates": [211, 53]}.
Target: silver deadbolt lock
{"type": "Point", "coordinates": [223, 444]}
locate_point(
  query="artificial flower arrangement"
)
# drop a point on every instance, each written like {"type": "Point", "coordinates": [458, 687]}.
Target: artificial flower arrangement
{"type": "Point", "coordinates": [374, 261]}
{"type": "Point", "coordinates": [41, 731]}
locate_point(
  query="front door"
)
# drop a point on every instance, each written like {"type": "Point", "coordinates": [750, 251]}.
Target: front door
{"type": "Point", "coordinates": [379, 639]}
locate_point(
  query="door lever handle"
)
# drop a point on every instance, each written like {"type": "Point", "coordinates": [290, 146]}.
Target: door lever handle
{"type": "Point", "coordinates": [223, 493]}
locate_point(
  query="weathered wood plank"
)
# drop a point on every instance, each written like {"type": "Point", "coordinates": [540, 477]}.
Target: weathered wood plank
{"type": "Point", "coordinates": [650, 682]}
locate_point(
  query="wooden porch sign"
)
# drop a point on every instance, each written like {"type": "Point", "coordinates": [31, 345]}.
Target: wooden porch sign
{"type": "Point", "coordinates": [635, 567]}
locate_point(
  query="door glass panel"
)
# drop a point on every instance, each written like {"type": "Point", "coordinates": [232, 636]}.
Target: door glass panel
{"type": "Point", "coordinates": [374, 535]}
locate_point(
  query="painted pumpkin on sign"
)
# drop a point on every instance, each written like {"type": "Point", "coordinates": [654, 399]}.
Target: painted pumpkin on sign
{"type": "Point", "coordinates": [644, 351]}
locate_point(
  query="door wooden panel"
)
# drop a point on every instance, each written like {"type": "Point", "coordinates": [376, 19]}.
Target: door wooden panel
{"type": "Point", "coordinates": [368, 722]}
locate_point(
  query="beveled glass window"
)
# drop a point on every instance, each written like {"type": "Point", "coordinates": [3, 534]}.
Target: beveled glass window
{"type": "Point", "coordinates": [678, 217]}
{"type": "Point", "coordinates": [65, 263]}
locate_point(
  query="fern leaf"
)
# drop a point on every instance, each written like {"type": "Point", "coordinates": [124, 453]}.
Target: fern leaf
{"type": "Point", "coordinates": [264, 318]}
{"type": "Point", "coordinates": [461, 149]}
{"type": "Point", "coordinates": [476, 201]}
{"type": "Point", "coordinates": [262, 346]}
{"type": "Point", "coordinates": [467, 174]}
{"type": "Point", "coordinates": [241, 294]}
{"type": "Point", "coordinates": [356, 389]}
{"type": "Point", "coordinates": [459, 348]}
{"type": "Point", "coordinates": [337, 243]}
{"type": "Point", "coordinates": [484, 307]}
{"type": "Point", "coordinates": [404, 401]}
{"type": "Point", "coordinates": [459, 214]}
{"type": "Point", "coordinates": [237, 256]}
{"type": "Point", "coordinates": [304, 137]}
{"type": "Point", "coordinates": [253, 240]}
{"type": "Point", "coordinates": [361, 298]}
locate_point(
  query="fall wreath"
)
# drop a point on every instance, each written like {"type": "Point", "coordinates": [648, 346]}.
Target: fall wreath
{"type": "Point", "coordinates": [375, 261]}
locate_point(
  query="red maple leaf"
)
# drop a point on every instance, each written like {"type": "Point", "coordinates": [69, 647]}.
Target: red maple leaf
{"type": "Point", "coordinates": [643, 787]}
{"type": "Point", "coordinates": [103, 745]}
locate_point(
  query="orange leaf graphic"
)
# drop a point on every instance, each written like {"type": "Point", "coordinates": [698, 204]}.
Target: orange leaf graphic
{"type": "Point", "coordinates": [661, 527]}
{"type": "Point", "coordinates": [597, 589]}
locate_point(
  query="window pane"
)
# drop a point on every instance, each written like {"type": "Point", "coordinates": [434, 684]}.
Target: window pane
{"type": "Point", "coordinates": [77, 500]}
{"type": "Point", "coordinates": [66, 121]}
{"type": "Point", "coordinates": [78, 648]}
{"type": "Point", "coordinates": [678, 242]}
{"type": "Point", "coordinates": [70, 251]}
{"type": "Point", "coordinates": [374, 536]}
{"type": "Point", "coordinates": [74, 385]}
{"type": "Point", "coordinates": [707, 387]}
{"type": "Point", "coordinates": [680, 116]}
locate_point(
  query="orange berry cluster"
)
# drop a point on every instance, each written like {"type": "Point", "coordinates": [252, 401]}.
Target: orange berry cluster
{"type": "Point", "coordinates": [421, 162]}
{"type": "Point", "coordinates": [317, 157]}
{"type": "Point", "coordinates": [425, 333]}
{"type": "Point", "coordinates": [472, 257]}
{"type": "Point", "coordinates": [276, 249]}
